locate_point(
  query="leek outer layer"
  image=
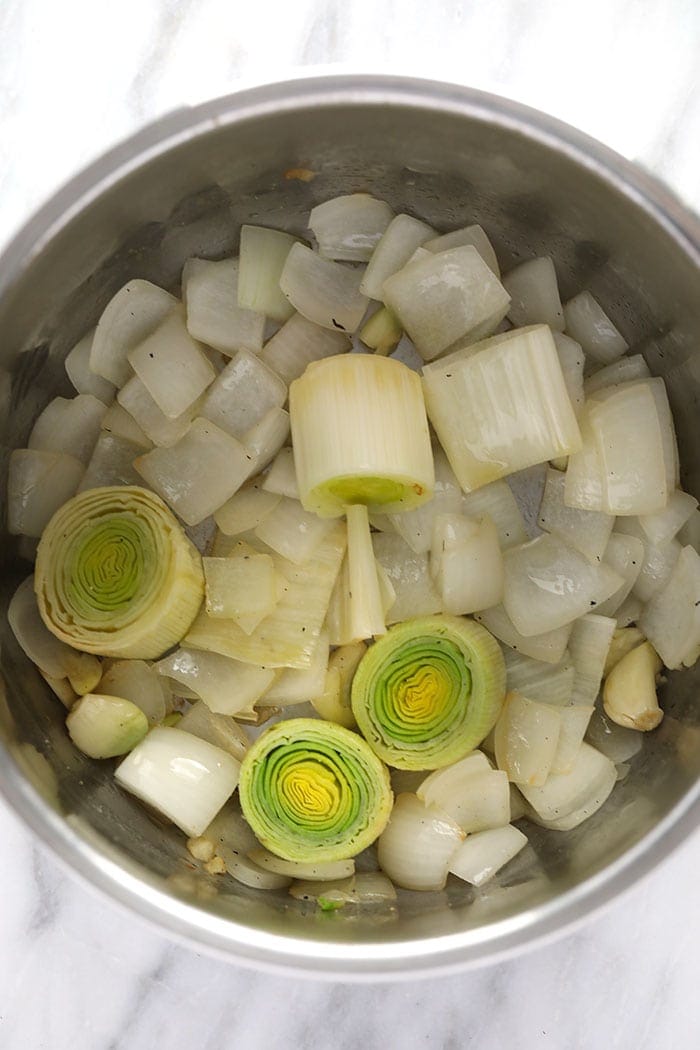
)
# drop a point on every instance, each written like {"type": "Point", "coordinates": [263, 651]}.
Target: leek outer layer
{"type": "Point", "coordinates": [116, 575]}
{"type": "Point", "coordinates": [313, 791]}
{"type": "Point", "coordinates": [429, 691]}
{"type": "Point", "coordinates": [360, 435]}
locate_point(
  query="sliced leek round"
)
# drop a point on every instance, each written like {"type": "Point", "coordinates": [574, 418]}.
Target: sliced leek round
{"type": "Point", "coordinates": [360, 435]}
{"type": "Point", "coordinates": [116, 575]}
{"type": "Point", "coordinates": [429, 691]}
{"type": "Point", "coordinates": [313, 791]}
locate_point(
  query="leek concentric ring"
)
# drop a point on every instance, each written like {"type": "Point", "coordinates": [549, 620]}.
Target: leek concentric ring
{"type": "Point", "coordinates": [429, 691]}
{"type": "Point", "coordinates": [313, 791]}
{"type": "Point", "coordinates": [116, 575]}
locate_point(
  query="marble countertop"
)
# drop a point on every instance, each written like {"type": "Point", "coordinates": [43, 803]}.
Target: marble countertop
{"type": "Point", "coordinates": [76, 972]}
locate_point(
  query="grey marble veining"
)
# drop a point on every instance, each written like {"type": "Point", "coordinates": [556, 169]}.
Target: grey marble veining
{"type": "Point", "coordinates": [76, 972]}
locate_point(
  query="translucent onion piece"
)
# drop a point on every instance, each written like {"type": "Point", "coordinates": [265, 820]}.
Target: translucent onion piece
{"type": "Point", "coordinates": [334, 702]}
{"type": "Point", "coordinates": [366, 611]}
{"type": "Point", "coordinates": [629, 612]}
{"type": "Point", "coordinates": [549, 584]}
{"type": "Point", "coordinates": [501, 406]}
{"type": "Point", "coordinates": [119, 423]}
{"type": "Point", "coordinates": [243, 394]}
{"type": "Point", "coordinates": [466, 563]}
{"type": "Point", "coordinates": [313, 791]}
{"type": "Point", "coordinates": [589, 643]}
{"type": "Point", "coordinates": [360, 435]}
{"type": "Point", "coordinates": [534, 294]}
{"type": "Point", "coordinates": [198, 474]}
{"type": "Point", "coordinates": [116, 575]}
{"type": "Point", "coordinates": [429, 691]}
{"type": "Point", "coordinates": [240, 586]}
{"type": "Point", "coordinates": [53, 657]}
{"type": "Point", "coordinates": [473, 235]}
{"type": "Point", "coordinates": [414, 588]}
{"type": "Point", "coordinates": [297, 344]}
{"type": "Point", "coordinates": [105, 726]}
{"type": "Point", "coordinates": [625, 555]}
{"type": "Point", "coordinates": [38, 483]}
{"type": "Point", "coordinates": [325, 292]}
{"type": "Point", "coordinates": [416, 526]}
{"type": "Point", "coordinates": [664, 524]}
{"type": "Point", "coordinates": [83, 379]}
{"type": "Point", "coordinates": [313, 871]}
{"type": "Point", "coordinates": [418, 844]}
{"type": "Point", "coordinates": [137, 401]}
{"type": "Point", "coordinates": [220, 730]}
{"type": "Point", "coordinates": [476, 800]}
{"type": "Point", "coordinates": [447, 297]}
{"type": "Point", "coordinates": [546, 683]}
{"type": "Point", "coordinates": [136, 681]}
{"type": "Point", "coordinates": [498, 503]}
{"type": "Point", "coordinates": [266, 438]}
{"type": "Point", "coordinates": [263, 253]}
{"type": "Point", "coordinates": [382, 332]}
{"type": "Point", "coordinates": [366, 887]}
{"type": "Point", "coordinates": [624, 370]}
{"type": "Point", "coordinates": [210, 294]}
{"type": "Point", "coordinates": [572, 360]}
{"type": "Point", "coordinates": [129, 317]}
{"type": "Point", "coordinates": [572, 729]}
{"type": "Point", "coordinates": [396, 246]}
{"type": "Point", "coordinates": [658, 561]}
{"type": "Point", "coordinates": [567, 799]}
{"type": "Point", "coordinates": [481, 856]}
{"type": "Point", "coordinates": [671, 620]}
{"type": "Point", "coordinates": [549, 646]}
{"type": "Point", "coordinates": [281, 479]}
{"type": "Point", "coordinates": [350, 227]}
{"type": "Point", "coordinates": [624, 640]}
{"type": "Point", "coordinates": [292, 531]}
{"type": "Point", "coordinates": [172, 366]}
{"type": "Point", "coordinates": [111, 463]}
{"type": "Point", "coordinates": [300, 685]}
{"type": "Point", "coordinates": [69, 426]}
{"type": "Point", "coordinates": [247, 872]}
{"type": "Point", "coordinates": [246, 509]}
{"type": "Point", "coordinates": [585, 530]}
{"type": "Point", "coordinates": [526, 738]}
{"type": "Point", "coordinates": [589, 325]}
{"type": "Point", "coordinates": [185, 778]}
{"type": "Point", "coordinates": [287, 638]}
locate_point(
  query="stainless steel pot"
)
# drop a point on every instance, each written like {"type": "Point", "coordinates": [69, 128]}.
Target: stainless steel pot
{"type": "Point", "coordinates": [182, 187]}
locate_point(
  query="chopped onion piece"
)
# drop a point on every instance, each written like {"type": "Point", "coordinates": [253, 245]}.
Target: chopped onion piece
{"type": "Point", "coordinates": [210, 294]}
{"type": "Point", "coordinates": [136, 681]}
{"type": "Point", "coordinates": [534, 294]}
{"type": "Point", "coordinates": [589, 643]}
{"type": "Point", "coordinates": [448, 297]}
{"type": "Point", "coordinates": [501, 406]}
{"type": "Point", "coordinates": [313, 871]}
{"type": "Point", "coordinates": [416, 525]}
{"type": "Point", "coordinates": [585, 530]}
{"type": "Point", "coordinates": [246, 509]}
{"type": "Point", "coordinates": [476, 800]}
{"type": "Point", "coordinates": [281, 478]}
{"type": "Point", "coordinates": [466, 563]}
{"type": "Point", "coordinates": [69, 426]}
{"type": "Point", "coordinates": [624, 370]}
{"type": "Point", "coordinates": [242, 394]}
{"type": "Point", "coordinates": [382, 332]}
{"type": "Point", "coordinates": [548, 584]}
{"type": "Point", "coordinates": [155, 424]}
{"type": "Point", "coordinates": [266, 438]}
{"type": "Point", "coordinates": [198, 474]}
{"type": "Point", "coordinates": [220, 730]}
{"type": "Point", "coordinates": [325, 292]}
{"type": "Point", "coordinates": [481, 856]}
{"type": "Point", "coordinates": [334, 702]}
{"type": "Point", "coordinates": [497, 502]}
{"type": "Point", "coordinates": [226, 686]}
{"type": "Point", "coordinates": [625, 555]}
{"type": "Point", "coordinates": [629, 612]}
{"type": "Point", "coordinates": [367, 887]}
{"type": "Point", "coordinates": [664, 524]}
{"type": "Point", "coordinates": [396, 246]}
{"type": "Point", "coordinates": [105, 726]}
{"type": "Point", "coordinates": [119, 423]}
{"type": "Point", "coordinates": [473, 235]}
{"type": "Point", "coordinates": [526, 739]}
{"type": "Point", "coordinates": [572, 360]}
{"type": "Point", "coordinates": [129, 317]}
{"type": "Point", "coordinates": [263, 253]}
{"type": "Point", "coordinates": [567, 799]}
{"type": "Point", "coordinates": [297, 344]}
{"type": "Point", "coordinates": [365, 605]}
{"type": "Point", "coordinates": [38, 483]}
{"type": "Point", "coordinates": [248, 873]}
{"type": "Point", "coordinates": [572, 729]}
{"type": "Point", "coordinates": [182, 776]}
{"type": "Point", "coordinates": [299, 685]}
{"type": "Point", "coordinates": [416, 846]}
{"type": "Point", "coordinates": [111, 463]}
{"type": "Point", "coordinates": [410, 577]}
{"type": "Point", "coordinates": [172, 366]}
{"type": "Point", "coordinates": [589, 325]}
{"type": "Point", "coordinates": [546, 683]}
{"type": "Point", "coordinates": [292, 531]}
{"type": "Point", "coordinates": [671, 620]}
{"type": "Point", "coordinates": [240, 587]}
{"type": "Point", "coordinates": [658, 562]}
{"type": "Point", "coordinates": [350, 227]}
{"type": "Point", "coordinates": [82, 377]}
{"type": "Point", "coordinates": [549, 646]}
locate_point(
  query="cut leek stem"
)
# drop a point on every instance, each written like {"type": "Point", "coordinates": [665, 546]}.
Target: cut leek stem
{"type": "Point", "coordinates": [116, 575]}
{"type": "Point", "coordinates": [366, 608]}
{"type": "Point", "coordinates": [382, 331]}
{"type": "Point", "coordinates": [360, 435]}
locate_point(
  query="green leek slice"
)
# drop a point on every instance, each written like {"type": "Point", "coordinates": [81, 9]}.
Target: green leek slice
{"type": "Point", "coordinates": [429, 691]}
{"type": "Point", "coordinates": [116, 575]}
{"type": "Point", "coordinates": [311, 790]}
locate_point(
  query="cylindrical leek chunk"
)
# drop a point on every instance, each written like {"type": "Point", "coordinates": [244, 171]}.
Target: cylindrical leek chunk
{"type": "Point", "coordinates": [116, 575]}
{"type": "Point", "coordinates": [360, 435]}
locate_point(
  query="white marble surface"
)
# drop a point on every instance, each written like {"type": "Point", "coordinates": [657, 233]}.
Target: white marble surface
{"type": "Point", "coordinates": [76, 973]}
